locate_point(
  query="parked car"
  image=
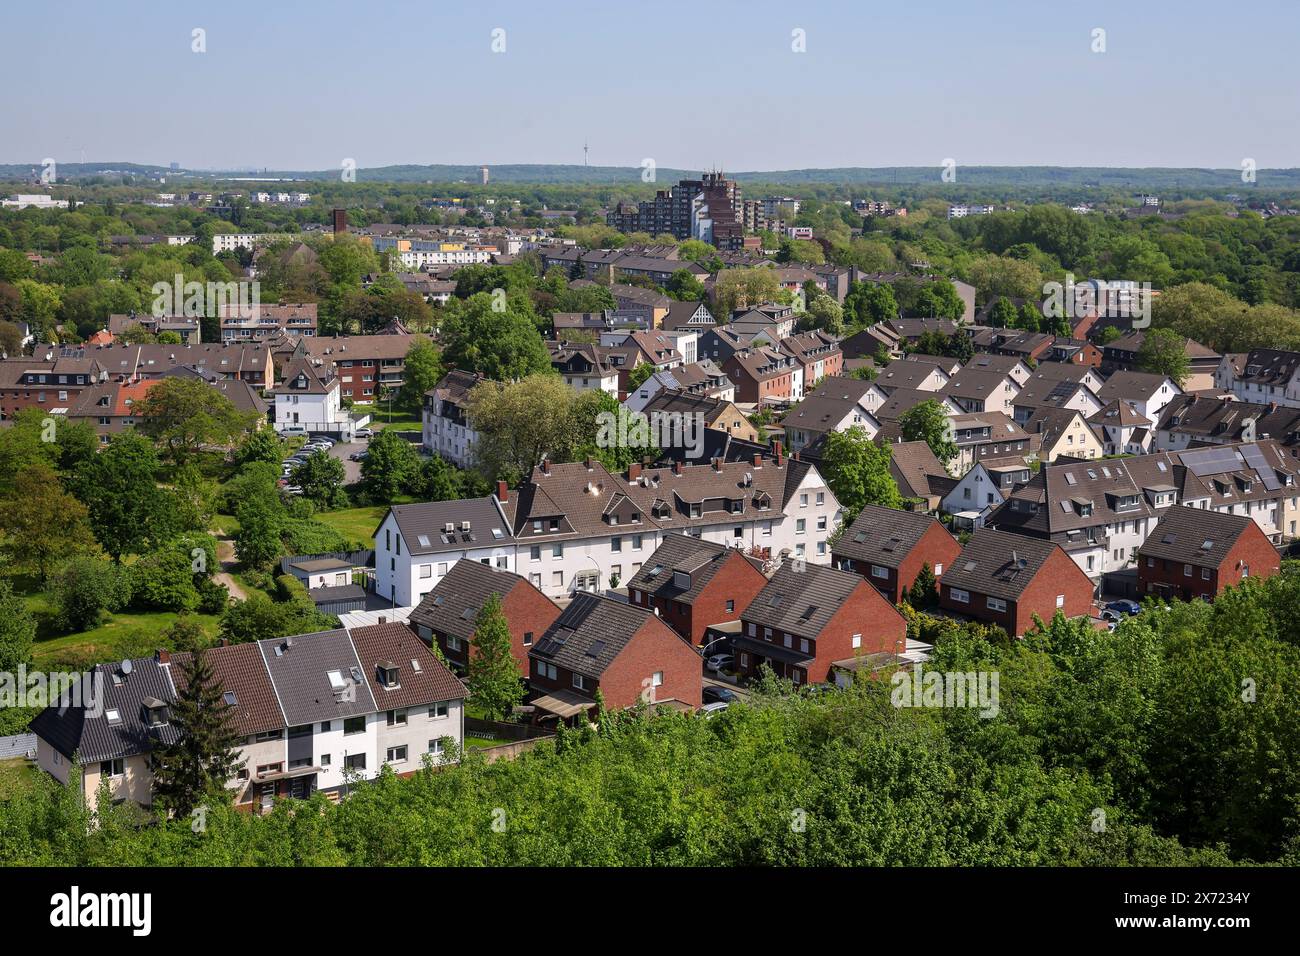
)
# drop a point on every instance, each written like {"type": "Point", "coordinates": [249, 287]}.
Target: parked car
{"type": "Point", "coordinates": [292, 489]}
{"type": "Point", "coordinates": [292, 430]}
{"type": "Point", "coordinates": [1124, 606]}
{"type": "Point", "coordinates": [362, 433]}
{"type": "Point", "coordinates": [720, 662]}
{"type": "Point", "coordinates": [324, 440]}
{"type": "Point", "coordinates": [358, 456]}
{"type": "Point", "coordinates": [1113, 617]}
{"type": "Point", "coordinates": [719, 695]}
{"type": "Point", "coordinates": [708, 710]}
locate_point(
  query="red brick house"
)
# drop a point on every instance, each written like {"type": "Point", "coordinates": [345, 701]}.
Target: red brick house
{"type": "Point", "coordinates": [625, 653]}
{"type": "Point", "coordinates": [889, 547]}
{"type": "Point", "coordinates": [1196, 553]}
{"type": "Point", "coordinates": [762, 373]}
{"type": "Point", "coordinates": [1005, 579]}
{"type": "Point", "coordinates": [693, 584]}
{"type": "Point", "coordinates": [448, 613]}
{"type": "Point", "coordinates": [811, 617]}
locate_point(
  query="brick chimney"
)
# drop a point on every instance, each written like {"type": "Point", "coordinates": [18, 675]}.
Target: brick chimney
{"type": "Point", "coordinates": [634, 471]}
{"type": "Point", "coordinates": [717, 464]}
{"type": "Point", "coordinates": [222, 642]}
{"type": "Point", "coordinates": [503, 492]}
{"type": "Point", "coordinates": [780, 457]}
{"type": "Point", "coordinates": [162, 655]}
{"type": "Point", "coordinates": [677, 467]}
{"type": "Point", "coordinates": [758, 461]}
{"type": "Point", "coordinates": [546, 466]}
{"type": "Point", "coordinates": [588, 463]}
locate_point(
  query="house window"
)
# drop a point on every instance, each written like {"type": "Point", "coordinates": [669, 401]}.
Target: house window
{"type": "Point", "coordinates": [113, 768]}
{"type": "Point", "coordinates": [396, 718]}
{"type": "Point", "coordinates": [557, 550]}
{"type": "Point", "coordinates": [878, 572]}
{"type": "Point", "coordinates": [1187, 570]}
{"type": "Point", "coordinates": [1205, 574]}
{"type": "Point", "coordinates": [1151, 562]}
{"type": "Point", "coordinates": [803, 501]}
{"type": "Point", "coordinates": [1060, 600]}
{"type": "Point", "coordinates": [435, 747]}
{"type": "Point", "coordinates": [657, 679]}
{"type": "Point", "coordinates": [355, 762]}
{"type": "Point", "coordinates": [799, 526]}
{"type": "Point", "coordinates": [731, 607]}
{"type": "Point", "coordinates": [995, 604]}
{"type": "Point", "coordinates": [354, 725]}
{"type": "Point", "coordinates": [959, 596]}
{"type": "Point", "coordinates": [616, 543]}
{"type": "Point", "coordinates": [438, 711]}
{"type": "Point", "coordinates": [396, 754]}
{"type": "Point", "coordinates": [857, 641]}
{"type": "Point", "coordinates": [426, 570]}
{"type": "Point", "coordinates": [579, 682]}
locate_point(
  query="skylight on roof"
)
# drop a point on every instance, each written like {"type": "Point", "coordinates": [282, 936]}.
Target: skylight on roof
{"type": "Point", "coordinates": [1069, 478]}
{"type": "Point", "coordinates": [424, 540]}
{"type": "Point", "coordinates": [113, 716]}
{"type": "Point", "coordinates": [229, 698]}
{"type": "Point", "coordinates": [336, 680]}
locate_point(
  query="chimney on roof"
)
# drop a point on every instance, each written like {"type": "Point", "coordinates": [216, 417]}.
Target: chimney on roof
{"type": "Point", "coordinates": [758, 461]}
{"type": "Point", "coordinates": [546, 466]}
{"type": "Point", "coordinates": [717, 464]}
{"type": "Point", "coordinates": [503, 492]}
{"type": "Point", "coordinates": [222, 642]}
{"type": "Point", "coordinates": [383, 619]}
{"type": "Point", "coordinates": [588, 463]}
{"type": "Point", "coordinates": [779, 454]}
{"type": "Point", "coordinates": [634, 471]}
{"type": "Point", "coordinates": [162, 655]}
{"type": "Point", "coordinates": [677, 467]}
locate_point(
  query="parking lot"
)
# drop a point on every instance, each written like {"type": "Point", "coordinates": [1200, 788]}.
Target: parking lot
{"type": "Point", "coordinates": [344, 451]}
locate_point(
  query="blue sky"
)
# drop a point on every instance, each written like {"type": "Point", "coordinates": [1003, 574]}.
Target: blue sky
{"type": "Point", "coordinates": [307, 83]}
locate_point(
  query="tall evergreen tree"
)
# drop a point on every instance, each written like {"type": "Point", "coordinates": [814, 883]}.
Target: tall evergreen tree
{"type": "Point", "coordinates": [924, 592]}
{"type": "Point", "coordinates": [494, 683]}
{"type": "Point", "coordinates": [197, 766]}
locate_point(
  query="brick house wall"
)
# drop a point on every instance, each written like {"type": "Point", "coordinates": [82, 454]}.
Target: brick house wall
{"type": "Point", "coordinates": [1252, 550]}
{"type": "Point", "coordinates": [1059, 576]}
{"type": "Point", "coordinates": [866, 613]}
{"type": "Point", "coordinates": [654, 648]}
{"type": "Point", "coordinates": [936, 548]}
{"type": "Point", "coordinates": [736, 581]}
{"type": "Point", "coordinates": [529, 613]}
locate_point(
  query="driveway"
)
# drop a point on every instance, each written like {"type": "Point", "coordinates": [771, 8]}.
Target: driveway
{"type": "Point", "coordinates": [352, 469]}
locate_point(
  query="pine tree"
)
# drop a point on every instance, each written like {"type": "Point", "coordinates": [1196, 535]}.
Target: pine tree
{"type": "Point", "coordinates": [494, 679]}
{"type": "Point", "coordinates": [198, 765]}
{"type": "Point", "coordinates": [924, 593]}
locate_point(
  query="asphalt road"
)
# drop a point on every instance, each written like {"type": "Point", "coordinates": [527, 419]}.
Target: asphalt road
{"type": "Point", "coordinates": [351, 468]}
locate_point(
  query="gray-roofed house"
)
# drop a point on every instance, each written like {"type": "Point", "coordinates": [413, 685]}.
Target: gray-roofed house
{"type": "Point", "coordinates": [810, 618]}
{"type": "Point", "coordinates": [626, 654]}
{"type": "Point", "coordinates": [1194, 553]}
{"type": "Point", "coordinates": [888, 548]}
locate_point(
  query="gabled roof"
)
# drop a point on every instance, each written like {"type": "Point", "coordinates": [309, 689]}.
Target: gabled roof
{"type": "Point", "coordinates": [1195, 536]}
{"type": "Point", "coordinates": [916, 470]}
{"type": "Point", "coordinates": [240, 671]}
{"type": "Point", "coordinates": [304, 377]}
{"type": "Point", "coordinates": [698, 559]}
{"type": "Point", "coordinates": [1131, 385]}
{"type": "Point", "coordinates": [997, 563]}
{"type": "Point", "coordinates": [424, 526]}
{"type": "Point", "coordinates": [452, 607]}
{"type": "Point", "coordinates": [590, 633]}
{"type": "Point", "coordinates": [120, 729]}
{"type": "Point", "coordinates": [883, 536]}
{"type": "Point", "coordinates": [1118, 413]}
{"type": "Point", "coordinates": [421, 677]}
{"type": "Point", "coordinates": [317, 677]}
{"type": "Point", "coordinates": [802, 602]}
{"type": "Point", "coordinates": [830, 403]}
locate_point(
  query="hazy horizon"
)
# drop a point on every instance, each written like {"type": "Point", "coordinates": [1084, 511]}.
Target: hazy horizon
{"type": "Point", "coordinates": [690, 86]}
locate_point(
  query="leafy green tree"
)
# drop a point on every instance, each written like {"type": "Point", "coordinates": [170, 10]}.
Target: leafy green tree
{"type": "Point", "coordinates": [261, 523]}
{"type": "Point", "coordinates": [390, 467]}
{"type": "Point", "coordinates": [685, 287]}
{"type": "Point", "coordinates": [1003, 314]}
{"type": "Point", "coordinates": [494, 680]}
{"type": "Point", "coordinates": [437, 480]}
{"type": "Point", "coordinates": [199, 764]}
{"type": "Point", "coordinates": [1164, 352]}
{"type": "Point", "coordinates": [164, 580]}
{"type": "Point", "coordinates": [520, 423]}
{"type": "Point", "coordinates": [928, 422]}
{"type": "Point", "coordinates": [84, 589]}
{"type": "Point", "coordinates": [868, 303]}
{"type": "Point", "coordinates": [493, 335]}
{"type": "Point", "coordinates": [924, 592]}
{"type": "Point", "coordinates": [423, 370]}
{"type": "Point", "coordinates": [640, 372]}
{"type": "Point", "coordinates": [261, 445]}
{"type": "Point", "coordinates": [857, 470]}
{"type": "Point", "coordinates": [17, 630]}
{"type": "Point", "coordinates": [128, 512]}
{"type": "Point", "coordinates": [40, 523]}
{"type": "Point", "coordinates": [321, 479]}
{"type": "Point", "coordinates": [186, 414]}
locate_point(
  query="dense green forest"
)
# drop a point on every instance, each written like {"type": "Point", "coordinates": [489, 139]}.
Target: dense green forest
{"type": "Point", "coordinates": [1174, 740]}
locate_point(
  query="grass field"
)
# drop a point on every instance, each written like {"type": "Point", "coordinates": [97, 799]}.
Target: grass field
{"type": "Point", "coordinates": [358, 523]}
{"type": "Point", "coordinates": [472, 740]}
{"type": "Point", "coordinates": [126, 634]}
{"type": "Point", "coordinates": [403, 419]}
{"type": "Point", "coordinates": [17, 777]}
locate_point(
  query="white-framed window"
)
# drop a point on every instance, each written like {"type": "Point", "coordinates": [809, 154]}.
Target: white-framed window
{"type": "Point", "coordinates": [959, 596]}
{"type": "Point", "coordinates": [579, 682]}
{"type": "Point", "coordinates": [396, 718]}
{"type": "Point", "coordinates": [435, 747]}
{"type": "Point", "coordinates": [657, 679]}
{"type": "Point", "coordinates": [396, 754]}
{"type": "Point", "coordinates": [426, 570]}
{"type": "Point", "coordinates": [995, 604]}
{"type": "Point", "coordinates": [857, 641]}
{"type": "Point", "coordinates": [1060, 600]}
{"type": "Point", "coordinates": [878, 572]}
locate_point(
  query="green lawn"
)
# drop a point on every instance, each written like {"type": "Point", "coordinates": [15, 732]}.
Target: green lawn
{"type": "Point", "coordinates": [404, 419]}
{"type": "Point", "coordinates": [356, 523]}
{"type": "Point", "coordinates": [126, 634]}
{"type": "Point", "coordinates": [472, 740]}
{"type": "Point", "coordinates": [17, 777]}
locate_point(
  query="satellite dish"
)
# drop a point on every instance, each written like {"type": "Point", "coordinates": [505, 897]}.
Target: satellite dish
{"type": "Point", "coordinates": [126, 666]}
